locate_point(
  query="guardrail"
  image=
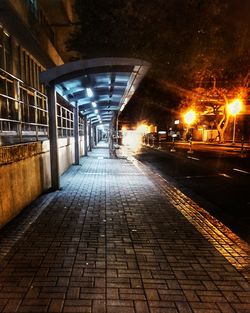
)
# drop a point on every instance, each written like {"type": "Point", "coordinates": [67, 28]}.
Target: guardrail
{"type": "Point", "coordinates": [23, 109]}
{"type": "Point", "coordinates": [24, 113]}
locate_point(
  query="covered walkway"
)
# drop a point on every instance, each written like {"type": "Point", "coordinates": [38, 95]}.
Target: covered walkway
{"type": "Point", "coordinates": [118, 238]}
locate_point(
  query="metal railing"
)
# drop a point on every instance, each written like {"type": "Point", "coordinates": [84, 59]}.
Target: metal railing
{"type": "Point", "coordinates": [23, 109]}
{"type": "Point", "coordinates": [81, 126]}
{"type": "Point", "coordinates": [65, 121]}
{"type": "Point", "coordinates": [24, 113]}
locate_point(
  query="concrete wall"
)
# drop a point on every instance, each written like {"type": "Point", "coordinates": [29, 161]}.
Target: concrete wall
{"type": "Point", "coordinates": [25, 173]}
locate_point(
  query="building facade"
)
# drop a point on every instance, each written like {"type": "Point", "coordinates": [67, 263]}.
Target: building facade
{"type": "Point", "coordinates": [29, 44]}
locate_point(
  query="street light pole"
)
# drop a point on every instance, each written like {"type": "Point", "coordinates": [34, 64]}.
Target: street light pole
{"type": "Point", "coordinates": [189, 119]}
{"type": "Point", "coordinates": [234, 108]}
{"type": "Point", "coordinates": [234, 127]}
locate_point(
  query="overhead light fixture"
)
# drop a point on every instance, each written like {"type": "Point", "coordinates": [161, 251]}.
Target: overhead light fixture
{"type": "Point", "coordinates": [96, 111]}
{"type": "Point", "coordinates": [6, 33]}
{"type": "Point", "coordinates": [122, 107]}
{"type": "Point", "coordinates": [89, 92]}
{"type": "Point", "coordinates": [94, 105]}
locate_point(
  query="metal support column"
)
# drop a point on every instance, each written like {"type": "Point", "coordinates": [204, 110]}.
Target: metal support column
{"type": "Point", "coordinates": [18, 97]}
{"type": "Point", "coordinates": [90, 135]}
{"type": "Point", "coordinates": [117, 128]}
{"type": "Point", "coordinates": [36, 113]}
{"type": "Point", "coordinates": [76, 134]}
{"type": "Point", "coordinates": [53, 138]}
{"type": "Point", "coordinates": [112, 135]}
{"type": "Point", "coordinates": [85, 136]}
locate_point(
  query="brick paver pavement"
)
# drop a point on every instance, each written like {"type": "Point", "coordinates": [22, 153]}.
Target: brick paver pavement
{"type": "Point", "coordinates": [120, 239]}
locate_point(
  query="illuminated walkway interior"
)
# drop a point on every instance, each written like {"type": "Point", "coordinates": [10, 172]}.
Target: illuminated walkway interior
{"type": "Point", "coordinates": [112, 240]}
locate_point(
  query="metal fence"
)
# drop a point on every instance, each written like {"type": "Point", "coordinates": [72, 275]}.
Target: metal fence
{"type": "Point", "coordinates": [23, 109]}
{"type": "Point", "coordinates": [24, 113]}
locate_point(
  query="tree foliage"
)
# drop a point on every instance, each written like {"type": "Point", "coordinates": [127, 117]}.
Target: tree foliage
{"type": "Point", "coordinates": [185, 40]}
{"type": "Point", "coordinates": [190, 43]}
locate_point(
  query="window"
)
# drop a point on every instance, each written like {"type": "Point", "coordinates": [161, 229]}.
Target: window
{"type": "Point", "coordinates": [32, 4]}
{"type": "Point", "coordinates": [5, 51]}
{"type": "Point", "coordinates": [20, 63]}
{"type": "Point", "coordinates": [1, 48]}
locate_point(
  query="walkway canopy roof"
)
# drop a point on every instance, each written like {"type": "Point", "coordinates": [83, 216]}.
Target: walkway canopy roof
{"type": "Point", "coordinates": [100, 86]}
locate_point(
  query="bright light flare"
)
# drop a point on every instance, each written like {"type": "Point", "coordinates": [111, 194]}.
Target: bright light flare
{"type": "Point", "coordinates": [189, 117]}
{"type": "Point", "coordinates": [132, 139]}
{"type": "Point", "coordinates": [235, 107]}
{"type": "Point", "coordinates": [89, 92]}
{"type": "Point", "coordinates": [142, 129]}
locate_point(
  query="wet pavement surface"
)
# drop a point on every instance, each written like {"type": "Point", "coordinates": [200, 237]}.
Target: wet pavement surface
{"type": "Point", "coordinates": [119, 238]}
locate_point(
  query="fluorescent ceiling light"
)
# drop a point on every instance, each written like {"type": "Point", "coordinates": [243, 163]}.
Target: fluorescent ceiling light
{"type": "Point", "coordinates": [122, 107]}
{"type": "Point", "coordinates": [89, 92]}
{"type": "Point", "coordinates": [96, 111]}
{"type": "Point", "coordinates": [94, 105]}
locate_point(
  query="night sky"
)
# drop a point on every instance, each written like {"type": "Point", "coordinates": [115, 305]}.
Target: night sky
{"type": "Point", "coordinates": [188, 43]}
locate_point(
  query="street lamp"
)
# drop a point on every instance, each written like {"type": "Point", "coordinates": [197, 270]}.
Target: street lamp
{"type": "Point", "coordinates": [142, 130]}
{"type": "Point", "coordinates": [234, 108]}
{"type": "Point", "coordinates": [189, 118]}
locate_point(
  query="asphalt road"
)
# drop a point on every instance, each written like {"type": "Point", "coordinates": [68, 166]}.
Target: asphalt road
{"type": "Point", "coordinates": [217, 179]}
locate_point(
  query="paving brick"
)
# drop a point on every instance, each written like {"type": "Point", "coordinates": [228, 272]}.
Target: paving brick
{"type": "Point", "coordinates": [93, 296]}
{"type": "Point", "coordinates": [12, 306]}
{"type": "Point", "coordinates": [241, 307]}
{"type": "Point", "coordinates": [32, 309]}
{"type": "Point", "coordinates": [62, 282]}
{"type": "Point", "coordinates": [78, 303]}
{"type": "Point", "coordinates": [98, 306]}
{"type": "Point", "coordinates": [163, 310]}
{"type": "Point", "coordinates": [118, 309]}
{"type": "Point", "coordinates": [77, 309]}
{"type": "Point", "coordinates": [73, 293]}
{"type": "Point", "coordinates": [135, 283]}
{"type": "Point", "coordinates": [183, 307]}
{"type": "Point", "coordinates": [191, 295]}
{"type": "Point", "coordinates": [99, 282]}
{"type": "Point", "coordinates": [125, 303]}
{"type": "Point", "coordinates": [152, 294]}
{"type": "Point", "coordinates": [113, 293]}
{"type": "Point", "coordinates": [127, 296]}
{"type": "Point", "coordinates": [226, 308]}
{"type": "Point", "coordinates": [141, 307]}
{"type": "Point", "coordinates": [56, 306]}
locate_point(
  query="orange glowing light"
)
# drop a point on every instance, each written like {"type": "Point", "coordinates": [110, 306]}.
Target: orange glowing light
{"type": "Point", "coordinates": [235, 107]}
{"type": "Point", "coordinates": [142, 129]}
{"type": "Point", "coordinates": [189, 117]}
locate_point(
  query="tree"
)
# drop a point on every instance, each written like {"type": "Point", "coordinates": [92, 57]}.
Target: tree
{"type": "Point", "coordinates": [214, 101]}
{"type": "Point", "coordinates": [188, 42]}
{"type": "Point", "coordinates": [152, 102]}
